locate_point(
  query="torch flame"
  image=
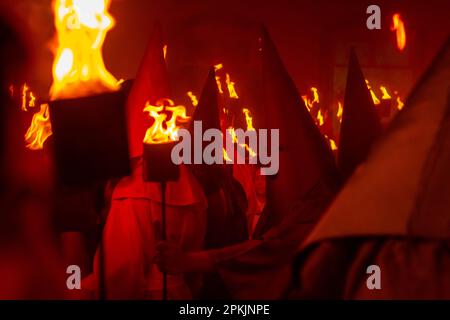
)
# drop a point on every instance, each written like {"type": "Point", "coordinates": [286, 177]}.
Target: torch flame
{"type": "Point", "coordinates": [248, 119]}
{"type": "Point", "coordinates": [163, 131]}
{"type": "Point", "coordinates": [375, 99]}
{"type": "Point", "coordinates": [78, 68]}
{"type": "Point", "coordinates": [39, 130]}
{"type": "Point", "coordinates": [193, 98]}
{"type": "Point", "coordinates": [340, 112]}
{"type": "Point", "coordinates": [231, 90]}
{"type": "Point", "coordinates": [399, 27]}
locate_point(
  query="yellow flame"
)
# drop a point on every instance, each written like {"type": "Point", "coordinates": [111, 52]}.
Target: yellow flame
{"type": "Point", "coordinates": [78, 67]}
{"type": "Point", "coordinates": [375, 99]}
{"type": "Point", "coordinates": [232, 132]}
{"type": "Point", "coordinates": [165, 51]}
{"type": "Point", "coordinates": [400, 104]}
{"type": "Point", "coordinates": [248, 119]}
{"type": "Point", "coordinates": [193, 98]}
{"type": "Point", "coordinates": [24, 97]}
{"type": "Point", "coordinates": [309, 103]}
{"type": "Point", "coordinates": [164, 131]}
{"type": "Point", "coordinates": [320, 120]}
{"type": "Point", "coordinates": [231, 89]}
{"type": "Point", "coordinates": [399, 27]}
{"type": "Point", "coordinates": [386, 95]}
{"type": "Point", "coordinates": [332, 143]}
{"type": "Point", "coordinates": [340, 111]}
{"type": "Point", "coordinates": [39, 130]}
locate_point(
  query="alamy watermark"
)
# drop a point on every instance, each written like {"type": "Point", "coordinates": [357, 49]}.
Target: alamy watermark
{"type": "Point", "coordinates": [254, 143]}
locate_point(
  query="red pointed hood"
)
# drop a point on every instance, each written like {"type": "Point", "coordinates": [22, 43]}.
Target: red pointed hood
{"type": "Point", "coordinates": [305, 158]}
{"type": "Point", "coordinates": [402, 189]}
{"type": "Point", "coordinates": [151, 84]}
{"type": "Point", "coordinates": [360, 123]}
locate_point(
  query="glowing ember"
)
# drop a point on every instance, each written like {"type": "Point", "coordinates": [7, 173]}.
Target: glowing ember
{"type": "Point", "coordinates": [399, 27]}
{"type": "Point", "coordinates": [164, 131]}
{"type": "Point", "coordinates": [193, 98]}
{"type": "Point", "coordinates": [78, 68]}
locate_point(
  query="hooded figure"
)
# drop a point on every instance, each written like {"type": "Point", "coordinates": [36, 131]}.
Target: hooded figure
{"type": "Point", "coordinates": [306, 183]}
{"type": "Point", "coordinates": [305, 160]}
{"type": "Point", "coordinates": [226, 215]}
{"type": "Point", "coordinates": [360, 123]}
{"type": "Point", "coordinates": [393, 213]}
{"type": "Point", "coordinates": [133, 226]}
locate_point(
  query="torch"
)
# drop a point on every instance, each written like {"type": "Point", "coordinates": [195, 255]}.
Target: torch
{"type": "Point", "coordinates": [159, 141]}
{"type": "Point", "coordinates": [158, 167]}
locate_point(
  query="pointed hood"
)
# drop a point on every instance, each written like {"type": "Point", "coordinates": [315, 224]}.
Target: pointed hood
{"type": "Point", "coordinates": [360, 123]}
{"type": "Point", "coordinates": [402, 189]}
{"type": "Point", "coordinates": [207, 110]}
{"type": "Point", "coordinates": [151, 84]}
{"type": "Point", "coordinates": [305, 160]}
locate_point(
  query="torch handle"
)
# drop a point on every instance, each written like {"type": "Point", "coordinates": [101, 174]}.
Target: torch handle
{"type": "Point", "coordinates": [164, 232]}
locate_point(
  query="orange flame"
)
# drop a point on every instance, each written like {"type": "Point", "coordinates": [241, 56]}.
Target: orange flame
{"type": "Point", "coordinates": [340, 111]}
{"type": "Point", "coordinates": [399, 27]}
{"type": "Point", "coordinates": [39, 130]}
{"type": "Point", "coordinates": [400, 104]}
{"type": "Point", "coordinates": [231, 89]}
{"type": "Point", "coordinates": [164, 131]}
{"type": "Point", "coordinates": [193, 98]}
{"type": "Point", "coordinates": [375, 99]}
{"type": "Point", "coordinates": [78, 68]}
{"type": "Point", "coordinates": [386, 95]}
{"type": "Point", "coordinates": [309, 103]}
{"type": "Point", "coordinates": [248, 119]}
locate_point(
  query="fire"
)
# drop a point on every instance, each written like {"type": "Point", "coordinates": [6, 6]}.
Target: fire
{"type": "Point", "coordinates": [232, 133]}
{"type": "Point", "coordinates": [320, 120]}
{"type": "Point", "coordinates": [311, 102]}
{"type": "Point", "coordinates": [332, 143]}
{"type": "Point", "coordinates": [399, 27]}
{"type": "Point", "coordinates": [193, 98]}
{"type": "Point", "coordinates": [28, 97]}
{"type": "Point", "coordinates": [165, 48]}
{"type": "Point", "coordinates": [78, 67]}
{"type": "Point", "coordinates": [39, 130]}
{"type": "Point", "coordinates": [400, 104]}
{"type": "Point", "coordinates": [248, 119]}
{"type": "Point", "coordinates": [164, 131]}
{"type": "Point", "coordinates": [340, 111]}
{"type": "Point", "coordinates": [386, 95]}
{"type": "Point", "coordinates": [375, 99]}
{"type": "Point", "coordinates": [231, 90]}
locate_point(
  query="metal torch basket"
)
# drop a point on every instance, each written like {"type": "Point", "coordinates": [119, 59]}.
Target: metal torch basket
{"type": "Point", "coordinates": [157, 163]}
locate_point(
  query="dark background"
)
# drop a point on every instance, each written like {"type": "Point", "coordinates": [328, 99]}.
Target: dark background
{"type": "Point", "coordinates": [313, 38]}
